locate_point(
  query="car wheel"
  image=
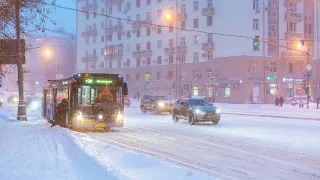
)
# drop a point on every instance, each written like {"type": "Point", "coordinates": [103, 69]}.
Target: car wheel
{"type": "Point", "coordinates": [216, 121]}
{"type": "Point", "coordinates": [143, 109]}
{"type": "Point", "coordinates": [191, 120]}
{"type": "Point", "coordinates": [174, 118]}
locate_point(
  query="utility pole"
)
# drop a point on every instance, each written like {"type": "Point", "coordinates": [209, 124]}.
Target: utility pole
{"type": "Point", "coordinates": [177, 55]}
{"type": "Point", "coordinates": [308, 80]}
{"type": "Point", "coordinates": [21, 115]}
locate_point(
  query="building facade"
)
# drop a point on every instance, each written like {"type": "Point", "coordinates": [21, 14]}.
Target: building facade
{"type": "Point", "coordinates": [49, 56]}
{"type": "Point", "coordinates": [183, 48]}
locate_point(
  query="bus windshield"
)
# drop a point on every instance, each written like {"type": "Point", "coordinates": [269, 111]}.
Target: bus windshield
{"type": "Point", "coordinates": [99, 94]}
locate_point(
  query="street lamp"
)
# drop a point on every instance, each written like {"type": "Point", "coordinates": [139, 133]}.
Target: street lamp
{"type": "Point", "coordinates": [48, 54]}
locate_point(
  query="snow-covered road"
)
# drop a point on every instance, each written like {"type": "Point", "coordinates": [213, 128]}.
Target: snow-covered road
{"type": "Point", "coordinates": [240, 147]}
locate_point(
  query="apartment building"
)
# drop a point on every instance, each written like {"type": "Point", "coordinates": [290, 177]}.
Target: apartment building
{"type": "Point", "coordinates": [181, 48]}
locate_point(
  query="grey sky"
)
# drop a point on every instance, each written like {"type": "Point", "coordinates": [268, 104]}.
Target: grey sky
{"type": "Point", "coordinates": [64, 18]}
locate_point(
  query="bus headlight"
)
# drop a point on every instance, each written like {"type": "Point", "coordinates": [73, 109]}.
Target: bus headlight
{"type": "Point", "coordinates": [161, 104]}
{"type": "Point", "coordinates": [119, 116]}
{"type": "Point", "coordinates": [15, 99]}
{"type": "Point", "coordinates": [100, 116]}
{"type": "Point", "coordinates": [218, 111]}
{"type": "Point", "coordinates": [79, 116]}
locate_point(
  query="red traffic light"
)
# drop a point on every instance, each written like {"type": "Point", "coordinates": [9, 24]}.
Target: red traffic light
{"type": "Point", "coordinates": [299, 91]}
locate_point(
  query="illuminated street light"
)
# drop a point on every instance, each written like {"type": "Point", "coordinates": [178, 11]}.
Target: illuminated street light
{"type": "Point", "coordinates": [168, 16]}
{"type": "Point", "coordinates": [299, 45]}
{"type": "Point", "coordinates": [48, 52]}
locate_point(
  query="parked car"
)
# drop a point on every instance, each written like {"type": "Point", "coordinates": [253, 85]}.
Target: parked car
{"type": "Point", "coordinates": [155, 104]}
{"type": "Point", "coordinates": [195, 110]}
{"type": "Point", "coordinates": [13, 99]}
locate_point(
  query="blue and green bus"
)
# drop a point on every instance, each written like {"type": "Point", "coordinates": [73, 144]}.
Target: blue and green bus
{"type": "Point", "coordinates": [95, 101]}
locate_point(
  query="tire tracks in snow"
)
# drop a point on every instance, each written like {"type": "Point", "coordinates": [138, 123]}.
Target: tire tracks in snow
{"type": "Point", "coordinates": [223, 157]}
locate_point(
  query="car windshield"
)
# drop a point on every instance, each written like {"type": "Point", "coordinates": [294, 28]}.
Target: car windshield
{"type": "Point", "coordinates": [157, 98]}
{"type": "Point", "coordinates": [198, 102]}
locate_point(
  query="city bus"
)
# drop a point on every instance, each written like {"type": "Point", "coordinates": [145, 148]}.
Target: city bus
{"type": "Point", "coordinates": [95, 101]}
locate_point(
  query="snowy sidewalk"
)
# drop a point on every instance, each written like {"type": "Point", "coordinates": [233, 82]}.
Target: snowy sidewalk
{"type": "Point", "coordinates": [33, 151]}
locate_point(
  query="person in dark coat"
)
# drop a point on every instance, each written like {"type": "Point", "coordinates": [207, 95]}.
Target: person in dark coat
{"type": "Point", "coordinates": [281, 100]}
{"type": "Point", "coordinates": [277, 102]}
{"type": "Point", "coordinates": [61, 113]}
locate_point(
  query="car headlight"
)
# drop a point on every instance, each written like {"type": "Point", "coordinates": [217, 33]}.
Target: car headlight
{"type": "Point", "coordinates": [161, 104]}
{"type": "Point", "coordinates": [218, 111]}
{"type": "Point", "coordinates": [79, 116]}
{"type": "Point", "coordinates": [100, 116]}
{"type": "Point", "coordinates": [198, 111]}
{"type": "Point", "coordinates": [15, 99]}
{"type": "Point", "coordinates": [1, 100]}
{"type": "Point", "coordinates": [119, 116]}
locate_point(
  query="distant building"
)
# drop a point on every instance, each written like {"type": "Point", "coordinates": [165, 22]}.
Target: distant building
{"type": "Point", "coordinates": [224, 63]}
{"type": "Point", "coordinates": [51, 55]}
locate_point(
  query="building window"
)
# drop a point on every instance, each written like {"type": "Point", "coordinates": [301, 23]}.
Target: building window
{"type": "Point", "coordinates": [170, 28]}
{"type": "Point", "coordinates": [87, 16]}
{"type": "Point", "coordinates": [102, 11]}
{"type": "Point", "coordinates": [196, 23]}
{"type": "Point", "coordinates": [183, 24]}
{"type": "Point", "coordinates": [94, 52]}
{"type": "Point", "coordinates": [210, 56]}
{"type": "Point", "coordinates": [209, 73]}
{"type": "Point", "coordinates": [273, 67]}
{"type": "Point", "coordinates": [292, 7]}
{"type": "Point", "coordinates": [170, 75]}
{"type": "Point", "coordinates": [291, 27]}
{"type": "Point", "coordinates": [87, 40]}
{"type": "Point", "coordinates": [307, 28]}
{"type": "Point", "coordinates": [137, 3]}
{"type": "Point", "coordinates": [138, 32]}
{"type": "Point", "coordinates": [128, 47]}
{"type": "Point", "coordinates": [119, 63]}
{"type": "Point", "coordinates": [128, 62]}
{"type": "Point", "coordinates": [170, 59]}
{"type": "Point", "coordinates": [148, 2]}
{"type": "Point", "coordinates": [119, 36]}
{"type": "Point", "coordinates": [196, 39]}
{"type": "Point", "coordinates": [159, 60]}
{"type": "Point", "coordinates": [196, 75]}
{"type": "Point", "coordinates": [182, 59]}
{"type": "Point", "coordinates": [127, 77]}
{"type": "Point", "coordinates": [102, 25]}
{"type": "Point", "coordinates": [158, 76]}
{"type": "Point", "coordinates": [170, 42]}
{"type": "Point", "coordinates": [128, 34]}
{"type": "Point", "coordinates": [94, 39]}
{"type": "Point", "coordinates": [159, 12]}
{"type": "Point", "coordinates": [138, 62]}
{"type": "Point", "coordinates": [128, 6]}
{"type": "Point", "coordinates": [148, 45]}
{"type": "Point", "coordinates": [102, 38]}
{"type": "Point", "coordinates": [291, 67]}
{"type": "Point", "coordinates": [94, 26]}
{"type": "Point", "coordinates": [183, 41]}
{"type": "Point", "coordinates": [110, 23]}
{"type": "Point", "coordinates": [110, 64]}
{"type": "Point", "coordinates": [195, 6]}
{"type": "Point", "coordinates": [137, 76]}
{"type": "Point", "coordinates": [183, 8]}
{"type": "Point", "coordinates": [148, 31]}
{"type": "Point", "coordinates": [210, 38]}
{"type": "Point", "coordinates": [138, 46]}
{"type": "Point", "coordinates": [159, 30]}
{"type": "Point", "coordinates": [209, 21]}
{"type": "Point", "coordinates": [128, 19]}
{"type": "Point", "coordinates": [210, 4]}
{"type": "Point", "coordinates": [110, 10]}
{"type": "Point", "coordinates": [272, 28]}
{"type": "Point", "coordinates": [255, 4]}
{"type": "Point", "coordinates": [195, 57]}
{"type": "Point", "coordinates": [102, 51]}
{"type": "Point", "coordinates": [148, 61]}
{"type": "Point", "coordinates": [255, 47]}
{"type": "Point", "coordinates": [255, 24]}
{"type": "Point", "coordinates": [119, 7]}
{"type": "Point", "coordinates": [94, 15]}
{"type": "Point", "coordinates": [149, 16]}
{"type": "Point", "coordinates": [159, 44]}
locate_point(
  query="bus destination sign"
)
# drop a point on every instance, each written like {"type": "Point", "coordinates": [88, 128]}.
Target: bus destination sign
{"type": "Point", "coordinates": [98, 81]}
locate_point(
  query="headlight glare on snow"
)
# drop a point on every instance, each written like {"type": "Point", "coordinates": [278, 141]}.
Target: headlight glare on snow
{"type": "Point", "coordinates": [79, 116]}
{"type": "Point", "coordinates": [119, 116]}
{"type": "Point", "coordinates": [161, 104]}
{"type": "Point", "coordinates": [218, 111]}
{"type": "Point", "coordinates": [198, 111]}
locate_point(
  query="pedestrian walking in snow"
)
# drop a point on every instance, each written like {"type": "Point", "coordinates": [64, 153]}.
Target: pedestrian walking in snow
{"type": "Point", "coordinates": [277, 102]}
{"type": "Point", "coordinates": [281, 100]}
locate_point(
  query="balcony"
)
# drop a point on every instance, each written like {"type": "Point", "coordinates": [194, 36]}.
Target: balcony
{"type": "Point", "coordinates": [287, 2]}
{"type": "Point", "coordinates": [292, 54]}
{"type": "Point", "coordinates": [169, 50]}
{"type": "Point", "coordinates": [91, 32]}
{"type": "Point", "coordinates": [181, 49]}
{"type": "Point", "coordinates": [293, 17]}
{"type": "Point", "coordinates": [136, 54]}
{"type": "Point", "coordinates": [146, 53]}
{"type": "Point", "coordinates": [89, 59]}
{"type": "Point", "coordinates": [309, 36]}
{"type": "Point", "coordinates": [207, 47]}
{"type": "Point", "coordinates": [207, 11]}
{"type": "Point", "coordinates": [182, 16]}
{"type": "Point", "coordinates": [90, 8]}
{"type": "Point", "coordinates": [293, 35]}
{"type": "Point", "coordinates": [113, 29]}
{"type": "Point", "coordinates": [308, 19]}
{"type": "Point", "coordinates": [136, 25]}
{"type": "Point", "coordinates": [146, 23]}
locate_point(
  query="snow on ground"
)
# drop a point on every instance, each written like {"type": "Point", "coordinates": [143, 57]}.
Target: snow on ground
{"type": "Point", "coordinates": [240, 147]}
{"type": "Point", "coordinates": [32, 150]}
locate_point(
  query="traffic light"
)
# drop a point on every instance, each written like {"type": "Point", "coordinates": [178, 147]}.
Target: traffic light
{"type": "Point", "coordinates": [299, 91]}
{"type": "Point", "coordinates": [256, 41]}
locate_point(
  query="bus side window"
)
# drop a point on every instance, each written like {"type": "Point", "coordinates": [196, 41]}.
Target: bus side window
{"type": "Point", "coordinates": [125, 89]}
{"type": "Point", "coordinates": [79, 96]}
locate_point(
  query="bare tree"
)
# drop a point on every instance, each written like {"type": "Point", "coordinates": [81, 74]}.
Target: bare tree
{"type": "Point", "coordinates": [34, 14]}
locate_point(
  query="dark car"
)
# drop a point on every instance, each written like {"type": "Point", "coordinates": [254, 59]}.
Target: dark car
{"type": "Point", "coordinates": [33, 102]}
{"type": "Point", "coordinates": [195, 110]}
{"type": "Point", "coordinates": [155, 104]}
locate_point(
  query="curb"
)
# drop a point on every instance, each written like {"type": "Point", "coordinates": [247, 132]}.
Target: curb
{"type": "Point", "coordinates": [273, 116]}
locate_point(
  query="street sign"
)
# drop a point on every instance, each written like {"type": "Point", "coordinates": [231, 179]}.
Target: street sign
{"type": "Point", "coordinates": [308, 74]}
{"type": "Point", "coordinates": [0, 81]}
{"type": "Point", "coordinates": [308, 67]}
{"type": "Point", "coordinates": [270, 77]}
